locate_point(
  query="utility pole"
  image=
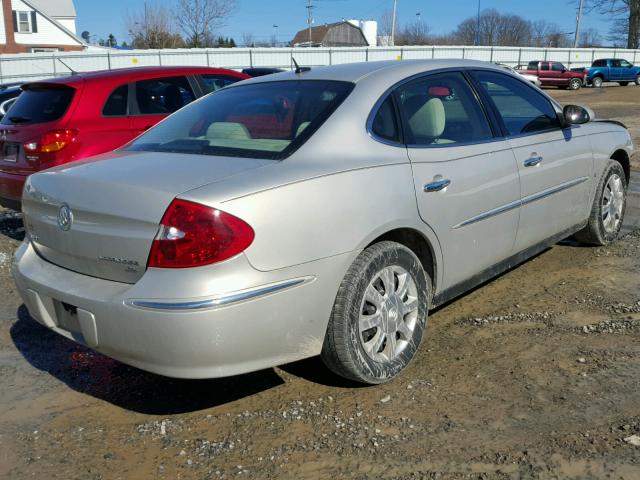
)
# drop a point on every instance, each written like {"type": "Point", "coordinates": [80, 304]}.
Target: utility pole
{"type": "Point", "coordinates": [393, 23]}
{"type": "Point", "coordinates": [478, 26]}
{"type": "Point", "coordinates": [578, 19]}
{"type": "Point", "coordinates": [310, 20]}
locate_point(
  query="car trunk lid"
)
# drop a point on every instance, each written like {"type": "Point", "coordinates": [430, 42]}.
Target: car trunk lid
{"type": "Point", "coordinates": [114, 205]}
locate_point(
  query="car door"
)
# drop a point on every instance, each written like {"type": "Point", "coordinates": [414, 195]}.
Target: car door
{"type": "Point", "coordinates": [626, 71]}
{"type": "Point", "coordinates": [557, 73]}
{"type": "Point", "coordinates": [546, 75]}
{"type": "Point", "coordinates": [555, 164]}
{"type": "Point", "coordinates": [156, 98]}
{"type": "Point", "coordinates": [466, 179]}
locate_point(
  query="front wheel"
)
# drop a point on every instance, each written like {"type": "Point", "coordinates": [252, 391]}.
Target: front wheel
{"type": "Point", "coordinates": [597, 82]}
{"type": "Point", "coordinates": [638, 80]}
{"type": "Point", "coordinates": [379, 315]}
{"type": "Point", "coordinates": [607, 211]}
{"type": "Point", "coordinates": [575, 84]}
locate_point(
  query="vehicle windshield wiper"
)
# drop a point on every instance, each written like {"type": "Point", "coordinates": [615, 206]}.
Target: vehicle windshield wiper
{"type": "Point", "coordinates": [18, 119]}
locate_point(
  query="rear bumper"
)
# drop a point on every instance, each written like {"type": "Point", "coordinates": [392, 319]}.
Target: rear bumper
{"type": "Point", "coordinates": [185, 338]}
{"type": "Point", "coordinates": [11, 190]}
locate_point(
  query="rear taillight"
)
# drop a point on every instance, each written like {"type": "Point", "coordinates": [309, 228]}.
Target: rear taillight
{"type": "Point", "coordinates": [52, 141]}
{"type": "Point", "coordinates": [192, 235]}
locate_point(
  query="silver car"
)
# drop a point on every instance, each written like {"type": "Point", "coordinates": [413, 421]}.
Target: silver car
{"type": "Point", "coordinates": [321, 211]}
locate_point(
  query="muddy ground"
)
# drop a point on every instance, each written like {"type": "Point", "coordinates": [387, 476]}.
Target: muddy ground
{"type": "Point", "coordinates": [536, 375]}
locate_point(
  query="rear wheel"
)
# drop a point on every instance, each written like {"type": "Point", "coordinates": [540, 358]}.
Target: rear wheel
{"type": "Point", "coordinates": [609, 204]}
{"type": "Point", "coordinates": [379, 315]}
{"type": "Point", "coordinates": [597, 82]}
{"type": "Point", "coordinates": [575, 84]}
{"type": "Point", "coordinates": [623, 84]}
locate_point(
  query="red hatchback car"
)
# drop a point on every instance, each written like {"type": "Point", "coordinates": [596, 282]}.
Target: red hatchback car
{"type": "Point", "coordinates": [66, 119]}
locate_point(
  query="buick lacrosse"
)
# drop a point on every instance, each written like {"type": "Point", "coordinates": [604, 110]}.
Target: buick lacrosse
{"type": "Point", "coordinates": [321, 211]}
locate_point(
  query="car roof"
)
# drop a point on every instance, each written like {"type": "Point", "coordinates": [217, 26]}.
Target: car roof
{"type": "Point", "coordinates": [392, 70]}
{"type": "Point", "coordinates": [134, 73]}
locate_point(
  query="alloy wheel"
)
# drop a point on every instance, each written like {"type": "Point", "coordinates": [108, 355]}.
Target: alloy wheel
{"type": "Point", "coordinates": [388, 314]}
{"type": "Point", "coordinates": [612, 203]}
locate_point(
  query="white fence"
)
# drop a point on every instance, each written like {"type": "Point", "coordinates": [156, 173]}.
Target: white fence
{"type": "Point", "coordinates": [33, 66]}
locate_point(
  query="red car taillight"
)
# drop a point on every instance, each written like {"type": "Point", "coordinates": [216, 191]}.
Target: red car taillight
{"type": "Point", "coordinates": [192, 235]}
{"type": "Point", "coordinates": [52, 141]}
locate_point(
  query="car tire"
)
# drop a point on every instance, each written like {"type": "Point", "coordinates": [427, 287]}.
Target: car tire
{"type": "Point", "coordinates": [609, 204]}
{"type": "Point", "coordinates": [574, 84]}
{"type": "Point", "coordinates": [597, 82]}
{"type": "Point", "coordinates": [379, 315]}
{"type": "Point", "coordinates": [638, 80]}
{"type": "Point", "coordinates": [623, 84]}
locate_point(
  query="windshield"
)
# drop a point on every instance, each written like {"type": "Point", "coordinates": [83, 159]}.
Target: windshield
{"type": "Point", "coordinates": [264, 120]}
{"type": "Point", "coordinates": [40, 105]}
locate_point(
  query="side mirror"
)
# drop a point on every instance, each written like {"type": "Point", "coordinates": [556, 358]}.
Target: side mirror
{"type": "Point", "coordinates": [577, 115]}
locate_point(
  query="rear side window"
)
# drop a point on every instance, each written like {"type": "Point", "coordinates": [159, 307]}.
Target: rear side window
{"type": "Point", "coordinates": [544, 66]}
{"type": "Point", "coordinates": [441, 109]}
{"type": "Point", "coordinates": [384, 124]}
{"type": "Point", "coordinates": [266, 120]}
{"type": "Point", "coordinates": [116, 104]}
{"type": "Point", "coordinates": [600, 63]}
{"type": "Point", "coordinates": [216, 82]}
{"type": "Point", "coordinates": [163, 95]}
{"type": "Point", "coordinates": [522, 108]}
{"type": "Point", "coordinates": [40, 105]}
{"type": "Point", "coordinates": [533, 66]}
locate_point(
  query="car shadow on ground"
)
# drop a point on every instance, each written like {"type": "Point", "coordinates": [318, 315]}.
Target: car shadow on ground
{"type": "Point", "coordinates": [11, 224]}
{"type": "Point", "coordinates": [92, 373]}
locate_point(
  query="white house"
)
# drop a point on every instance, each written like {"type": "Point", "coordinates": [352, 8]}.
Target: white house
{"type": "Point", "coordinates": [38, 26]}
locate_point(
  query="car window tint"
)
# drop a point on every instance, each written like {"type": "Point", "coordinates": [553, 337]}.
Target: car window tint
{"type": "Point", "coordinates": [216, 82]}
{"type": "Point", "coordinates": [116, 104]}
{"type": "Point", "coordinates": [544, 66]}
{"type": "Point", "coordinates": [442, 109]}
{"type": "Point", "coordinates": [263, 120]}
{"type": "Point", "coordinates": [557, 67]}
{"type": "Point", "coordinates": [533, 66]}
{"type": "Point", "coordinates": [385, 124]}
{"type": "Point", "coordinates": [600, 63]}
{"type": "Point", "coordinates": [163, 95]}
{"type": "Point", "coordinates": [40, 105]}
{"type": "Point", "coordinates": [615, 63]}
{"type": "Point", "coordinates": [625, 64]}
{"type": "Point", "coordinates": [522, 108]}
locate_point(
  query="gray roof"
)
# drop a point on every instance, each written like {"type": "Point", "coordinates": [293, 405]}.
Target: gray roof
{"type": "Point", "coordinates": [56, 8]}
{"type": "Point", "coordinates": [391, 69]}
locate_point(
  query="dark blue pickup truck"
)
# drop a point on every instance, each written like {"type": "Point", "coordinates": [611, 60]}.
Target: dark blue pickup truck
{"type": "Point", "coordinates": [612, 70]}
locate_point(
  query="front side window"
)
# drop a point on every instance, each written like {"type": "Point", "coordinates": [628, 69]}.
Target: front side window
{"type": "Point", "coordinates": [216, 82]}
{"type": "Point", "coordinates": [625, 64]}
{"type": "Point", "coordinates": [442, 109]}
{"type": "Point", "coordinates": [558, 67]}
{"type": "Point", "coordinates": [163, 95]}
{"type": "Point", "coordinates": [267, 120]}
{"type": "Point", "coordinates": [24, 22]}
{"type": "Point", "coordinates": [522, 108]}
{"type": "Point", "coordinates": [116, 104]}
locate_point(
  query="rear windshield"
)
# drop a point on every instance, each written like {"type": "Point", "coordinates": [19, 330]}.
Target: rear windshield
{"type": "Point", "coordinates": [39, 105]}
{"type": "Point", "coordinates": [264, 120]}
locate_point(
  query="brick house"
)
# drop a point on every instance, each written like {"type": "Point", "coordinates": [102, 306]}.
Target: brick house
{"type": "Point", "coordinates": [38, 26]}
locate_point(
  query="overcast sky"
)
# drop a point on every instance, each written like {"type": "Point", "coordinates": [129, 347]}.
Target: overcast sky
{"type": "Point", "coordinates": [260, 16]}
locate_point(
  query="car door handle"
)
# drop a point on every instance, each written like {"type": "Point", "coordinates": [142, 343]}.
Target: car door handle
{"type": "Point", "coordinates": [437, 185]}
{"type": "Point", "coordinates": [533, 161]}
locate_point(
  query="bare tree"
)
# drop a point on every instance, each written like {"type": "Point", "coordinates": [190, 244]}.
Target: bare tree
{"type": "Point", "coordinates": [385, 25]}
{"type": "Point", "coordinates": [152, 28]}
{"type": "Point", "coordinates": [590, 38]}
{"type": "Point", "coordinates": [495, 29]}
{"type": "Point", "coordinates": [416, 33]}
{"type": "Point", "coordinates": [627, 11]}
{"type": "Point", "coordinates": [198, 19]}
{"type": "Point", "coordinates": [248, 39]}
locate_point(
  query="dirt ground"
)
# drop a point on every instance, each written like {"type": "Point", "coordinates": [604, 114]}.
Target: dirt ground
{"type": "Point", "coordinates": [536, 375]}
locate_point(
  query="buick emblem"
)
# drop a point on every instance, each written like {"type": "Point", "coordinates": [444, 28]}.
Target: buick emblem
{"type": "Point", "coordinates": [65, 217]}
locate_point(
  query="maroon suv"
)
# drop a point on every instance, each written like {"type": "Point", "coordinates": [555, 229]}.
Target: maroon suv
{"type": "Point", "coordinates": [70, 118]}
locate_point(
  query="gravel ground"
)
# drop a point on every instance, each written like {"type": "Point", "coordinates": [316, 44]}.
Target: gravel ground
{"type": "Point", "coordinates": [533, 376]}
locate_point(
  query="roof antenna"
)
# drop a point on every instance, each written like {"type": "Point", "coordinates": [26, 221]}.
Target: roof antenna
{"type": "Point", "coordinates": [73, 72]}
{"type": "Point", "coordinates": [299, 69]}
